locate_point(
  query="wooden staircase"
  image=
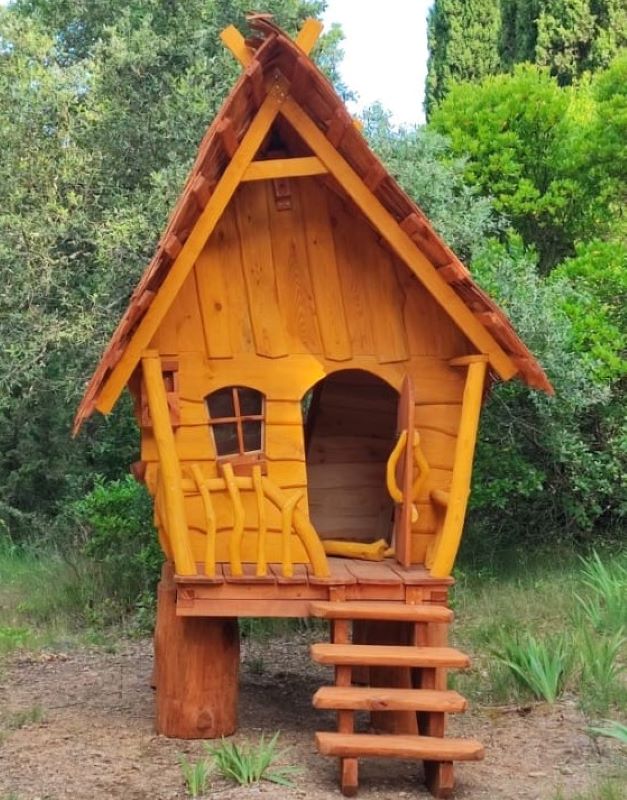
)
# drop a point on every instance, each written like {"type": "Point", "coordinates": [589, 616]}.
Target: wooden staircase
{"type": "Point", "coordinates": [403, 660]}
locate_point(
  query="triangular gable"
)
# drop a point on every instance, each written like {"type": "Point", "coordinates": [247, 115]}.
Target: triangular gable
{"type": "Point", "coordinates": [280, 79]}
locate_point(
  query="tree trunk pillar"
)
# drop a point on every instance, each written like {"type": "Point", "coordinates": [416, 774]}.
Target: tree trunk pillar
{"type": "Point", "coordinates": [196, 670]}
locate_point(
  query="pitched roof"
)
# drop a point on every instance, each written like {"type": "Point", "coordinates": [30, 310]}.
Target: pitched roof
{"type": "Point", "coordinates": [270, 54]}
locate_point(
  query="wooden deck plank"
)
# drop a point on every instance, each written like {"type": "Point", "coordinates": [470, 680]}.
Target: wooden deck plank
{"type": "Point", "coordinates": [373, 572]}
{"type": "Point", "coordinates": [300, 574]}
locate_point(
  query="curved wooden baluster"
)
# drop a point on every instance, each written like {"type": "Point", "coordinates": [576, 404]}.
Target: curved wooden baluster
{"type": "Point", "coordinates": [262, 567]}
{"type": "Point", "coordinates": [210, 519]}
{"type": "Point", "coordinates": [235, 541]}
{"type": "Point", "coordinates": [287, 514]}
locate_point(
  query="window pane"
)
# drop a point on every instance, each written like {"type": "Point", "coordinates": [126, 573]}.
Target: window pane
{"type": "Point", "coordinates": [249, 401]}
{"type": "Point", "coordinates": [220, 403]}
{"type": "Point", "coordinates": [252, 435]}
{"type": "Point", "coordinates": [226, 438]}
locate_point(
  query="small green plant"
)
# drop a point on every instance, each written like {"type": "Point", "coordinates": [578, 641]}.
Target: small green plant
{"type": "Point", "coordinates": [196, 775]}
{"type": "Point", "coordinates": [249, 763]}
{"type": "Point", "coordinates": [603, 603]}
{"type": "Point", "coordinates": [542, 667]}
{"type": "Point", "coordinates": [612, 730]}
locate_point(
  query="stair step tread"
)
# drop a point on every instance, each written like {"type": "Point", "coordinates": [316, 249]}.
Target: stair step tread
{"type": "Point", "coordinates": [367, 609]}
{"type": "Point", "coordinates": [388, 655]}
{"type": "Point", "coordinates": [374, 698]}
{"type": "Point", "coordinates": [426, 748]}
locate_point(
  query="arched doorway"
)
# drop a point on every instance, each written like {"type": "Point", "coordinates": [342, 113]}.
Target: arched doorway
{"type": "Point", "coordinates": [350, 432]}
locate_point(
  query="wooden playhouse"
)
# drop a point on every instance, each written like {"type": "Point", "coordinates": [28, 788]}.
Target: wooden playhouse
{"type": "Point", "coordinates": [307, 361]}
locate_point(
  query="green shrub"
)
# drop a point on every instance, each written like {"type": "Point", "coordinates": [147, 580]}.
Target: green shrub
{"type": "Point", "coordinates": [115, 519]}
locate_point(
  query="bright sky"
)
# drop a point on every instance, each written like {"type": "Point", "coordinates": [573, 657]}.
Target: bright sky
{"type": "Point", "coordinates": [385, 53]}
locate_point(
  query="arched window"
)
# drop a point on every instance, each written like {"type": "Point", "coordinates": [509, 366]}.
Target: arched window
{"type": "Point", "coordinates": [236, 415]}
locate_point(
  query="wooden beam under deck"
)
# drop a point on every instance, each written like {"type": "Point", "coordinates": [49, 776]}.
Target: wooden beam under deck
{"type": "Point", "coordinates": [227, 595]}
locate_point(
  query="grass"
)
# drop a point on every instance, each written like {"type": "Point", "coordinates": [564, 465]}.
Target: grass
{"type": "Point", "coordinates": [46, 601]}
{"type": "Point", "coordinates": [602, 600]}
{"type": "Point", "coordinates": [249, 763]}
{"type": "Point", "coordinates": [608, 789]}
{"type": "Point", "coordinates": [612, 729]}
{"type": "Point", "coordinates": [544, 598]}
{"type": "Point", "coordinates": [196, 775]}
{"type": "Point", "coordinates": [602, 670]}
{"type": "Point", "coordinates": [540, 665]}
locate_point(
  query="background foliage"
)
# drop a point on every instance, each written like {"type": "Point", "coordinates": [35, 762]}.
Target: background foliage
{"type": "Point", "coordinates": [521, 170]}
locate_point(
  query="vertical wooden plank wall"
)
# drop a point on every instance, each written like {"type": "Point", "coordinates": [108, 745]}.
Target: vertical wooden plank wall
{"type": "Point", "coordinates": [277, 284]}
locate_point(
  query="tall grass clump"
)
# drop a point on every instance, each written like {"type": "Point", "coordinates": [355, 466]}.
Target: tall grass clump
{"type": "Point", "coordinates": [542, 666]}
{"type": "Point", "coordinates": [196, 775]}
{"type": "Point", "coordinates": [604, 589]}
{"type": "Point", "coordinates": [602, 670]}
{"type": "Point", "coordinates": [249, 763]}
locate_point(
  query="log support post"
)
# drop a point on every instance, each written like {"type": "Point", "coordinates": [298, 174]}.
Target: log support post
{"type": "Point", "coordinates": [196, 670]}
{"type": "Point", "coordinates": [169, 465]}
{"type": "Point", "coordinates": [441, 556]}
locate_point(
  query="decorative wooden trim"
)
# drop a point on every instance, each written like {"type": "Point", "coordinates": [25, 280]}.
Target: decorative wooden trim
{"type": "Point", "coordinates": [284, 168]}
{"type": "Point", "coordinates": [192, 248]}
{"type": "Point", "coordinates": [309, 34]}
{"type": "Point", "coordinates": [233, 40]}
{"type": "Point", "coordinates": [396, 238]}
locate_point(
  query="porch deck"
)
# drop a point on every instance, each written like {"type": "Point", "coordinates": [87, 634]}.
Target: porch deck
{"type": "Point", "coordinates": [275, 595]}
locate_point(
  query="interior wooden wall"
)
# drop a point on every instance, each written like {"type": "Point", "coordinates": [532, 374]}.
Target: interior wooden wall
{"type": "Point", "coordinates": [353, 433]}
{"type": "Point", "coordinates": [280, 298]}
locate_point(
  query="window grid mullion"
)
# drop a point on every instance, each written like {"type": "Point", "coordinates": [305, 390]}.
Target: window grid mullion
{"type": "Point", "coordinates": [238, 422]}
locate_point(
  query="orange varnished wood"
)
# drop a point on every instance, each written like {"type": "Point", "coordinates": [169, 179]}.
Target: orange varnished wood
{"type": "Point", "coordinates": [258, 262]}
{"type": "Point", "coordinates": [389, 655]}
{"type": "Point", "coordinates": [191, 701]}
{"type": "Point", "coordinates": [412, 747]}
{"type": "Point", "coordinates": [400, 612]}
{"type": "Point", "coordinates": [372, 698]}
{"type": "Point", "coordinates": [324, 274]}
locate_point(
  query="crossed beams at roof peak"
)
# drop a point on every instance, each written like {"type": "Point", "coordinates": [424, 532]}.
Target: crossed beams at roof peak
{"type": "Point", "coordinates": [235, 42]}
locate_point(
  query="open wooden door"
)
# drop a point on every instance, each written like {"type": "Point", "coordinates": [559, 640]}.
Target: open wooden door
{"type": "Point", "coordinates": [404, 474]}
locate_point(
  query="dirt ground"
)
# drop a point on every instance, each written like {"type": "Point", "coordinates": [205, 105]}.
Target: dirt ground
{"type": "Point", "coordinates": [96, 739]}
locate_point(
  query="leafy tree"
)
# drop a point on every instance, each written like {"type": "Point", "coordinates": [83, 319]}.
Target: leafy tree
{"type": "Point", "coordinates": [463, 38]}
{"type": "Point", "coordinates": [425, 166]}
{"type": "Point", "coordinates": [108, 102]}
{"type": "Point", "coordinates": [469, 40]}
{"type": "Point", "coordinates": [552, 469]}
{"type": "Point", "coordinates": [550, 157]}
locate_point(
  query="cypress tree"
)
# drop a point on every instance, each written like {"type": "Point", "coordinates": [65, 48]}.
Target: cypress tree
{"type": "Point", "coordinates": [469, 39]}
{"type": "Point", "coordinates": [463, 37]}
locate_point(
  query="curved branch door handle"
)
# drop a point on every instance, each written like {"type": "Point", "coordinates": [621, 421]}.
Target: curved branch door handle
{"type": "Point", "coordinates": [421, 464]}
